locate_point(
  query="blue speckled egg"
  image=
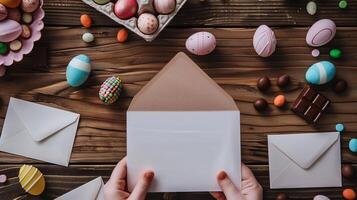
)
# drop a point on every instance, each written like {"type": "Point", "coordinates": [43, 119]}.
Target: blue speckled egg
{"type": "Point", "coordinates": [320, 73]}
{"type": "Point", "coordinates": [78, 70]}
{"type": "Point", "coordinates": [353, 145]}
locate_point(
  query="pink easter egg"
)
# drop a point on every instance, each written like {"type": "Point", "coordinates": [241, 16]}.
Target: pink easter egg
{"type": "Point", "coordinates": [165, 6]}
{"type": "Point", "coordinates": [3, 12]}
{"type": "Point", "coordinates": [201, 43]}
{"type": "Point", "coordinates": [125, 9]}
{"type": "Point", "coordinates": [14, 14]}
{"type": "Point", "coordinates": [148, 23]}
{"type": "Point", "coordinates": [30, 5]}
{"type": "Point", "coordinates": [321, 33]}
{"type": "Point", "coordinates": [10, 30]}
{"type": "Point", "coordinates": [264, 41]}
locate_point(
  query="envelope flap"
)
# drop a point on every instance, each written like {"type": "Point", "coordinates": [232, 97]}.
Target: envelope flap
{"type": "Point", "coordinates": [88, 191]}
{"type": "Point", "coordinates": [41, 121]}
{"type": "Point", "coordinates": [305, 149]}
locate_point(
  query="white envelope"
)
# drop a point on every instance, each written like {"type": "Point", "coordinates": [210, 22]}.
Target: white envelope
{"type": "Point", "coordinates": [93, 190]}
{"type": "Point", "coordinates": [39, 132]}
{"type": "Point", "coordinates": [305, 160]}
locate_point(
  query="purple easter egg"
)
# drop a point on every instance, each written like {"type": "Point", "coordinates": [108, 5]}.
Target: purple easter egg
{"type": "Point", "coordinates": [201, 43]}
{"type": "Point", "coordinates": [321, 32]}
{"type": "Point", "coordinates": [264, 41]}
{"type": "Point", "coordinates": [10, 30]}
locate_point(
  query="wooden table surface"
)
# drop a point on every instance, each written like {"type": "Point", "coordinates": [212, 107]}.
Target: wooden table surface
{"type": "Point", "coordinates": [101, 137]}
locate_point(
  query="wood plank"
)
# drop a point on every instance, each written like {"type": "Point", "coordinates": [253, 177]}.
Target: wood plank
{"type": "Point", "coordinates": [234, 65]}
{"type": "Point", "coordinates": [218, 13]}
{"type": "Point", "coordinates": [60, 180]}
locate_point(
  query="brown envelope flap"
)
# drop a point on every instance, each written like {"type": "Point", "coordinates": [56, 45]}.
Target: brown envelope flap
{"type": "Point", "coordinates": [182, 86]}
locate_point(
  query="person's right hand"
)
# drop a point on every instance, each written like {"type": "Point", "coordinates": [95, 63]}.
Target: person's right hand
{"type": "Point", "coordinates": [250, 188]}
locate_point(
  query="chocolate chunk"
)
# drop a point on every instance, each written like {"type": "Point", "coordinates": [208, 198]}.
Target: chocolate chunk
{"type": "Point", "coordinates": [310, 105]}
{"type": "Point", "coordinates": [340, 86]}
{"type": "Point", "coordinates": [283, 81]}
{"type": "Point", "coordinates": [260, 104]}
{"type": "Point", "coordinates": [347, 171]}
{"type": "Point", "coordinates": [282, 196]}
{"type": "Point", "coordinates": [263, 83]}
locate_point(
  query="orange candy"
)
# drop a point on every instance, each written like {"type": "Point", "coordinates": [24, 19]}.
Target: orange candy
{"type": "Point", "coordinates": [10, 3]}
{"type": "Point", "coordinates": [122, 35]}
{"type": "Point", "coordinates": [349, 194]}
{"type": "Point", "coordinates": [279, 101]}
{"type": "Point", "coordinates": [86, 21]}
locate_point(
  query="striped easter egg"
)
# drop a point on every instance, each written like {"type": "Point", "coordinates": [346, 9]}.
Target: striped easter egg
{"type": "Point", "coordinates": [320, 73]}
{"type": "Point", "coordinates": [78, 70]}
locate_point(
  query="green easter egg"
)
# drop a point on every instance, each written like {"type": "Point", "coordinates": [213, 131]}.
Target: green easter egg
{"type": "Point", "coordinates": [4, 49]}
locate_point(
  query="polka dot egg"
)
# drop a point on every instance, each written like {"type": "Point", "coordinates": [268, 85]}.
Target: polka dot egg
{"type": "Point", "coordinates": [320, 73]}
{"type": "Point", "coordinates": [201, 43]}
{"type": "Point", "coordinates": [110, 90]}
{"type": "Point", "coordinates": [78, 70]}
{"type": "Point", "coordinates": [148, 23]}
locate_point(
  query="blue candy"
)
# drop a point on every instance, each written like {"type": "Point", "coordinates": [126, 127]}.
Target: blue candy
{"type": "Point", "coordinates": [320, 73]}
{"type": "Point", "coordinates": [340, 127]}
{"type": "Point", "coordinates": [353, 145]}
{"type": "Point", "coordinates": [78, 70]}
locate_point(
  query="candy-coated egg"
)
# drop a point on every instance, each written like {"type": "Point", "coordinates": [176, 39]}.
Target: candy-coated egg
{"type": "Point", "coordinates": [31, 180]}
{"type": "Point", "coordinates": [86, 21]}
{"type": "Point", "coordinates": [349, 194]}
{"type": "Point", "coordinates": [30, 5]}
{"type": "Point", "coordinates": [14, 14]}
{"type": "Point", "coordinates": [201, 43]}
{"type": "Point", "coordinates": [110, 90]}
{"type": "Point", "coordinates": [125, 9]}
{"type": "Point", "coordinates": [165, 6]}
{"type": "Point", "coordinates": [11, 3]}
{"type": "Point", "coordinates": [320, 73]}
{"type": "Point", "coordinates": [3, 12]}
{"type": "Point", "coordinates": [321, 197]}
{"type": "Point", "coordinates": [148, 23]}
{"type": "Point", "coordinates": [321, 32]}
{"type": "Point", "coordinates": [88, 37]}
{"type": "Point", "coordinates": [122, 35]}
{"type": "Point", "coordinates": [264, 41]}
{"type": "Point", "coordinates": [78, 70]}
{"type": "Point", "coordinates": [10, 30]}
{"type": "Point", "coordinates": [352, 145]}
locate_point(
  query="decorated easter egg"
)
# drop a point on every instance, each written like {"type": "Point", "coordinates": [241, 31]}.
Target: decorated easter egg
{"type": "Point", "coordinates": [321, 197]}
{"type": "Point", "coordinates": [78, 70]}
{"type": "Point", "coordinates": [31, 180]}
{"type": "Point", "coordinates": [10, 30]}
{"type": "Point", "coordinates": [201, 43]}
{"type": "Point", "coordinates": [321, 32]}
{"type": "Point", "coordinates": [125, 9]}
{"type": "Point", "coordinates": [148, 23]}
{"type": "Point", "coordinates": [110, 90]}
{"type": "Point", "coordinates": [165, 6]}
{"type": "Point", "coordinates": [30, 5]}
{"type": "Point", "coordinates": [352, 145]}
{"type": "Point", "coordinates": [264, 41]}
{"type": "Point", "coordinates": [10, 3]}
{"type": "Point", "coordinates": [3, 12]}
{"type": "Point", "coordinates": [320, 73]}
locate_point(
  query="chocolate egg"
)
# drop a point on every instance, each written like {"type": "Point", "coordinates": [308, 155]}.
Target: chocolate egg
{"type": "Point", "coordinates": [14, 14]}
{"type": "Point", "coordinates": [321, 32]}
{"type": "Point", "coordinates": [148, 23]}
{"type": "Point", "coordinates": [3, 12]}
{"type": "Point", "coordinates": [201, 43]}
{"type": "Point", "coordinates": [264, 41]}
{"type": "Point", "coordinates": [11, 3]}
{"type": "Point", "coordinates": [125, 9]}
{"type": "Point", "coordinates": [30, 5]}
{"type": "Point", "coordinates": [347, 171]}
{"type": "Point", "coordinates": [165, 6]}
{"type": "Point", "coordinates": [10, 30]}
{"type": "Point", "coordinates": [320, 73]}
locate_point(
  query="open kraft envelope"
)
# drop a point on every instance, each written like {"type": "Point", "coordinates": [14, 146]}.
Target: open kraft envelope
{"type": "Point", "coordinates": [185, 128]}
{"type": "Point", "coordinates": [305, 160]}
{"type": "Point", "coordinates": [39, 132]}
{"type": "Point", "coordinates": [93, 190]}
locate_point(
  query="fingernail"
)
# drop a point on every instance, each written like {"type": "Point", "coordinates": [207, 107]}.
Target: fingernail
{"type": "Point", "coordinates": [222, 175]}
{"type": "Point", "coordinates": [149, 175]}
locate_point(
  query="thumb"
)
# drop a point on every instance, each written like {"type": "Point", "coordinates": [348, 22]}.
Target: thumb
{"type": "Point", "coordinates": [227, 186]}
{"type": "Point", "coordinates": [142, 187]}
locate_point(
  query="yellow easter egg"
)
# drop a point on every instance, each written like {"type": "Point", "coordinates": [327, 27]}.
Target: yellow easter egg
{"type": "Point", "coordinates": [31, 180]}
{"type": "Point", "coordinates": [10, 3]}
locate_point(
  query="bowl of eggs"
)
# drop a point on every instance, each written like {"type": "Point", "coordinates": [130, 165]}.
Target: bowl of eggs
{"type": "Point", "coordinates": [21, 25]}
{"type": "Point", "coordinates": [147, 18]}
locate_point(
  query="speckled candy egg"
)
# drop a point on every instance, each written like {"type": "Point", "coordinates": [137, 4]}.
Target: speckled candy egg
{"type": "Point", "coordinates": [10, 30]}
{"type": "Point", "coordinates": [10, 3]}
{"type": "Point", "coordinates": [30, 5]}
{"type": "Point", "coordinates": [320, 73]}
{"type": "Point", "coordinates": [264, 41]}
{"type": "Point", "coordinates": [201, 43]}
{"type": "Point", "coordinates": [148, 23]}
{"type": "Point", "coordinates": [321, 32]}
{"type": "Point", "coordinates": [125, 9]}
{"type": "Point", "coordinates": [165, 6]}
{"type": "Point", "coordinates": [321, 197]}
{"type": "Point", "coordinates": [3, 12]}
{"type": "Point", "coordinates": [78, 70]}
{"type": "Point", "coordinates": [110, 90]}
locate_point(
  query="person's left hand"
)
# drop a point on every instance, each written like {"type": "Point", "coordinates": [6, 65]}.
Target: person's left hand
{"type": "Point", "coordinates": [116, 187]}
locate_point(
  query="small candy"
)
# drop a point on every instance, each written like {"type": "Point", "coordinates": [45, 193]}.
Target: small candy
{"type": "Point", "coordinates": [4, 49]}
{"type": "Point", "coordinates": [14, 14]}
{"type": "Point", "coordinates": [347, 171]}
{"type": "Point", "coordinates": [340, 127]}
{"type": "Point", "coordinates": [352, 145]}
{"type": "Point", "coordinates": [263, 83]}
{"type": "Point", "coordinates": [343, 4]}
{"type": "Point", "coordinates": [340, 86]}
{"type": "Point", "coordinates": [88, 37]}
{"type": "Point", "coordinates": [148, 23]}
{"type": "Point", "coordinates": [86, 21]}
{"type": "Point", "coordinates": [335, 53]}
{"type": "Point", "coordinates": [283, 81]}
{"type": "Point", "coordinates": [315, 53]}
{"type": "Point", "coordinates": [3, 12]}
{"type": "Point", "coordinates": [26, 32]}
{"type": "Point", "coordinates": [321, 197]}
{"type": "Point", "coordinates": [122, 35]}
{"type": "Point", "coordinates": [281, 196]}
{"type": "Point", "coordinates": [31, 180]}
{"type": "Point", "coordinates": [101, 2]}
{"type": "Point", "coordinates": [279, 101]}
{"type": "Point", "coordinates": [349, 194]}
{"type": "Point", "coordinates": [2, 70]}
{"type": "Point", "coordinates": [3, 178]}
{"type": "Point", "coordinates": [15, 45]}
{"type": "Point", "coordinates": [30, 5]}
{"type": "Point", "coordinates": [311, 8]}
{"type": "Point", "coordinates": [110, 90]}
{"type": "Point", "coordinates": [260, 104]}
{"type": "Point", "coordinates": [27, 18]}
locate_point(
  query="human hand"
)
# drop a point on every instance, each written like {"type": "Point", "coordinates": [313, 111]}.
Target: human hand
{"type": "Point", "coordinates": [250, 188]}
{"type": "Point", "coordinates": [116, 187]}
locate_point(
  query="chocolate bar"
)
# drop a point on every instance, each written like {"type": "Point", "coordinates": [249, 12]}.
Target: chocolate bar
{"type": "Point", "coordinates": [310, 105]}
